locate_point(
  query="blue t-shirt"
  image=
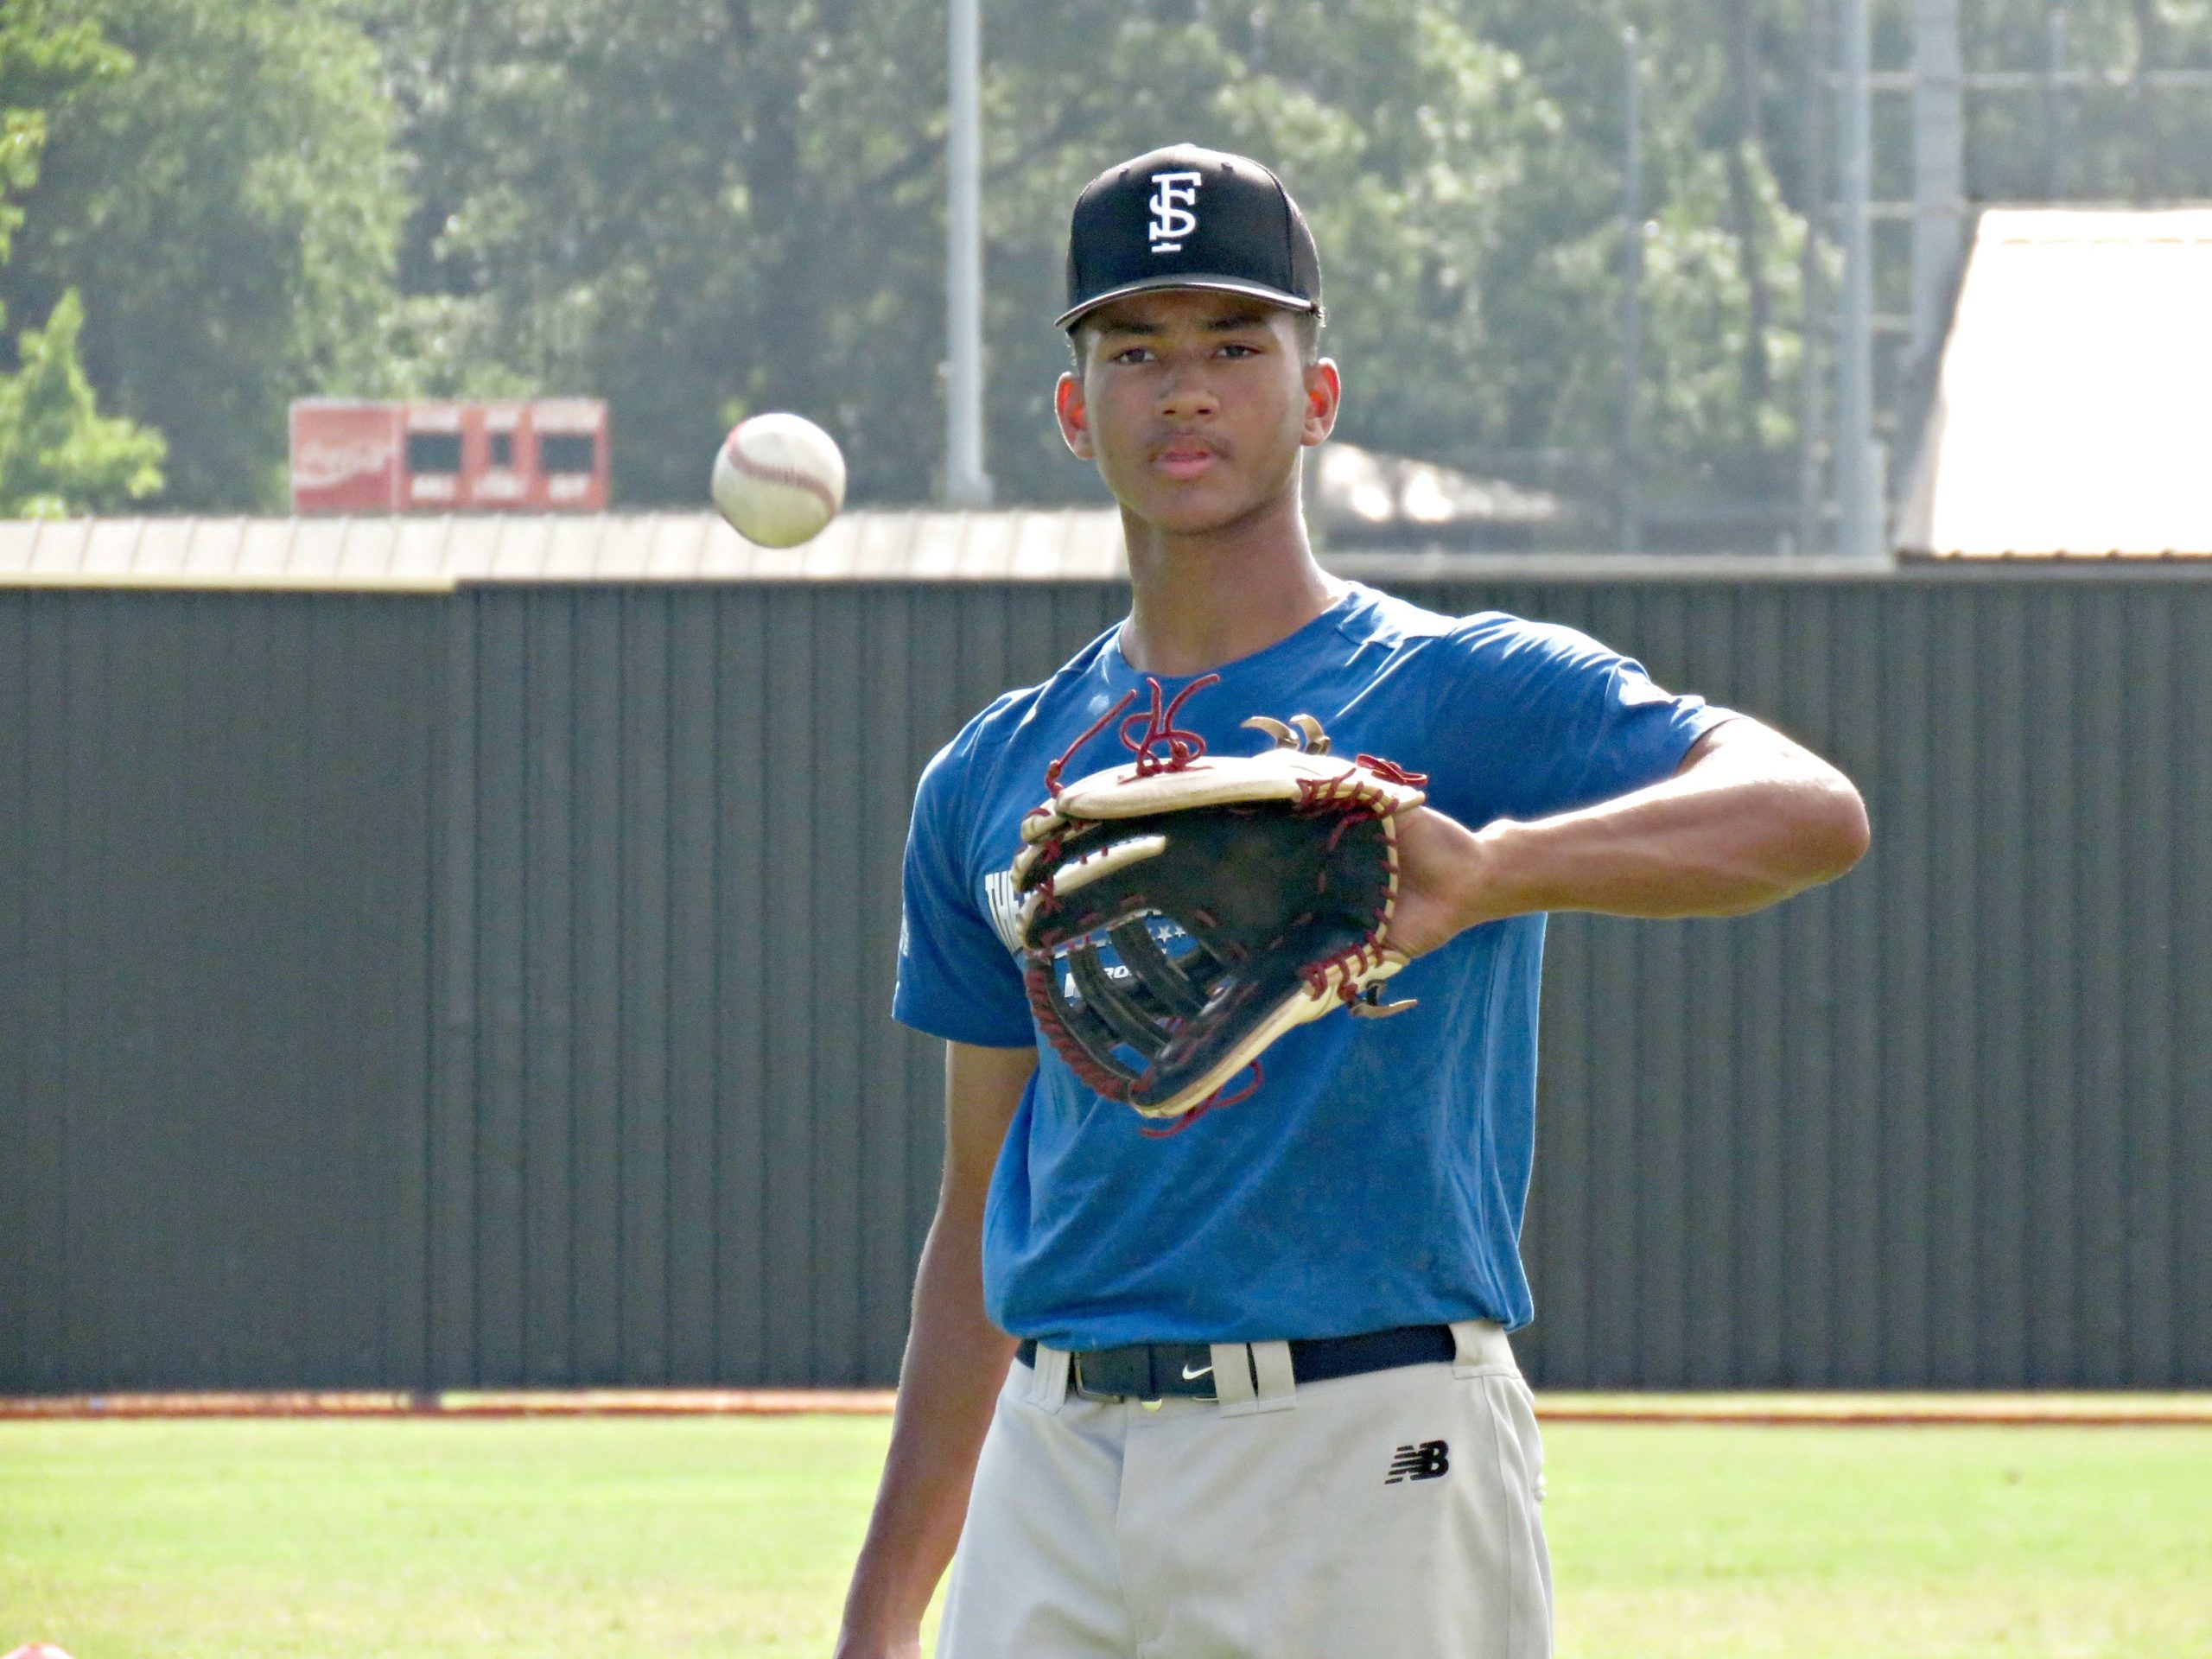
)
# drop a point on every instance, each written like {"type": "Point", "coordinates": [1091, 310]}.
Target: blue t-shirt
{"type": "Point", "coordinates": [1378, 1176]}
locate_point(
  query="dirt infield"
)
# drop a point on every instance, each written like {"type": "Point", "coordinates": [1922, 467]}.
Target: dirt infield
{"type": "Point", "coordinates": [1900, 1409]}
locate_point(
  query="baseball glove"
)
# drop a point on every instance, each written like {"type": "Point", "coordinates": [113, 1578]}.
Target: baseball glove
{"type": "Point", "coordinates": [1181, 914]}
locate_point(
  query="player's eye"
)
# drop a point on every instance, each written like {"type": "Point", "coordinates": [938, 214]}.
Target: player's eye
{"type": "Point", "coordinates": [1238, 349]}
{"type": "Point", "coordinates": [1132, 354]}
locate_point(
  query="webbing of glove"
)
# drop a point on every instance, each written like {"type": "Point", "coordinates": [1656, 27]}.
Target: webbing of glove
{"type": "Point", "coordinates": [1149, 978]}
{"type": "Point", "coordinates": [1164, 950]}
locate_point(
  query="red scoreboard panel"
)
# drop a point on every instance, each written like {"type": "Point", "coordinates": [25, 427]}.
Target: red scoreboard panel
{"type": "Point", "coordinates": [539, 455]}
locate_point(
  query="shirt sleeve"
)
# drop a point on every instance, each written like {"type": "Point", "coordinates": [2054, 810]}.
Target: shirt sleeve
{"type": "Point", "coordinates": [957, 978]}
{"type": "Point", "coordinates": [1555, 721]}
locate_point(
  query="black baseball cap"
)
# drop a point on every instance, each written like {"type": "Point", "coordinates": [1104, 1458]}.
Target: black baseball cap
{"type": "Point", "coordinates": [1184, 217]}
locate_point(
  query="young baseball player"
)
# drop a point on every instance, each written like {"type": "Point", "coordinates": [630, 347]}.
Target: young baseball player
{"type": "Point", "coordinates": [1248, 1390]}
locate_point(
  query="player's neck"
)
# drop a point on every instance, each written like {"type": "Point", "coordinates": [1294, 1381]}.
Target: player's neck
{"type": "Point", "coordinates": [1198, 602]}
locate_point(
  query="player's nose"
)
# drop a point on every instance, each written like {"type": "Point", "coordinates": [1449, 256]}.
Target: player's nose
{"type": "Point", "coordinates": [1186, 394]}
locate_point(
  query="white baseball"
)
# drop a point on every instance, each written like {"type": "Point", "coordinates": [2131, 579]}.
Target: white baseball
{"type": "Point", "coordinates": [778, 479]}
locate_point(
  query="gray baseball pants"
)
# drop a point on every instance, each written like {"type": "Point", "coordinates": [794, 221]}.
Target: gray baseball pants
{"type": "Point", "coordinates": [1388, 1515]}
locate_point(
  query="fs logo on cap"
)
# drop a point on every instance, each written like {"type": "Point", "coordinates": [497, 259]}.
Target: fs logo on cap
{"type": "Point", "coordinates": [1174, 195]}
{"type": "Point", "coordinates": [1140, 226]}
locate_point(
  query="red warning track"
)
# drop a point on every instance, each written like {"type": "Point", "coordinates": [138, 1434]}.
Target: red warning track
{"type": "Point", "coordinates": [2052, 1409]}
{"type": "Point", "coordinates": [488, 1402]}
{"type": "Point", "coordinates": [1768, 1410]}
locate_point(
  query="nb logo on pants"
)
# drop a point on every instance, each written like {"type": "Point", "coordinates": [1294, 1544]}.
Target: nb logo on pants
{"type": "Point", "coordinates": [1427, 1461]}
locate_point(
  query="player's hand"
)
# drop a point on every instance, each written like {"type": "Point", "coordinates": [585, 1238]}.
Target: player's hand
{"type": "Point", "coordinates": [1442, 865]}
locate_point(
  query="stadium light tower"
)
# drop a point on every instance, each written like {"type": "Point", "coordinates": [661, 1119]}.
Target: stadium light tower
{"type": "Point", "coordinates": [1858, 482]}
{"type": "Point", "coordinates": [1939, 170]}
{"type": "Point", "coordinates": [966, 483]}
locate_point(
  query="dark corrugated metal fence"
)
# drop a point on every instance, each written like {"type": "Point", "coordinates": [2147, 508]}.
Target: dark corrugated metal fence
{"type": "Point", "coordinates": [492, 988]}
{"type": "Point", "coordinates": [1946, 1123]}
{"type": "Point", "coordinates": [676, 1135]}
{"type": "Point", "coordinates": [214, 846]}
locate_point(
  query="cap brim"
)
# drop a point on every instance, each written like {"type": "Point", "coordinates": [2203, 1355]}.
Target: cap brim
{"type": "Point", "coordinates": [1210, 284]}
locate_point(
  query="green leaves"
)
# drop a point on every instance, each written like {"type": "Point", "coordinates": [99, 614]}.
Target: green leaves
{"type": "Point", "coordinates": [688, 206]}
{"type": "Point", "coordinates": [42, 62]}
{"type": "Point", "coordinates": [228, 211]}
{"type": "Point", "coordinates": [58, 454]}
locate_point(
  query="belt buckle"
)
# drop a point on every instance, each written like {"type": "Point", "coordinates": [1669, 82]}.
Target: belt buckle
{"type": "Point", "coordinates": [1101, 1390]}
{"type": "Point", "coordinates": [1130, 1374]}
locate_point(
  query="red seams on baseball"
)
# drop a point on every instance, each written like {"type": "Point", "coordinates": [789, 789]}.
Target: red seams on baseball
{"type": "Point", "coordinates": [769, 473]}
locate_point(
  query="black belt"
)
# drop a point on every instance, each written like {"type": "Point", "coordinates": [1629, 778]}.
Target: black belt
{"type": "Point", "coordinates": [1149, 1371]}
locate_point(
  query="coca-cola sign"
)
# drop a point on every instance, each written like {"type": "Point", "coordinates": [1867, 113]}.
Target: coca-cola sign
{"type": "Point", "coordinates": [346, 456]}
{"type": "Point", "coordinates": [325, 463]}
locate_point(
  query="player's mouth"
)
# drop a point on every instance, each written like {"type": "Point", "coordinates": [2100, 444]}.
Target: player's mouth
{"type": "Point", "coordinates": [1185, 456]}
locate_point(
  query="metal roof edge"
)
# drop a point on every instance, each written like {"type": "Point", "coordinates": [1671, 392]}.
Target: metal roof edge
{"type": "Point", "coordinates": [1579, 570]}
{"type": "Point", "coordinates": [234, 583]}
{"type": "Point", "coordinates": [1072, 548]}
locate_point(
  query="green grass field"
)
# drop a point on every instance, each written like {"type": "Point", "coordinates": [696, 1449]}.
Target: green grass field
{"type": "Point", "coordinates": [731, 1537]}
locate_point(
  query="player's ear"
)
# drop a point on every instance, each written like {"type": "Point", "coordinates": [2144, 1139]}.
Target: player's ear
{"type": "Point", "coordinates": [1075, 417]}
{"type": "Point", "coordinates": [1324, 390]}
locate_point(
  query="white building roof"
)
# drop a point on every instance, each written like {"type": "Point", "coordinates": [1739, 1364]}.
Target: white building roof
{"type": "Point", "coordinates": [2073, 409]}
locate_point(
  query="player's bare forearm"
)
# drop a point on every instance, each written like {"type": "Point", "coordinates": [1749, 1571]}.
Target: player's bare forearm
{"type": "Point", "coordinates": [955, 1362]}
{"type": "Point", "coordinates": [1749, 818]}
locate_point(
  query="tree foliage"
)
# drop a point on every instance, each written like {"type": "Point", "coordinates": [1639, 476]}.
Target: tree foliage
{"type": "Point", "coordinates": [229, 210]}
{"type": "Point", "coordinates": [57, 453]}
{"type": "Point", "coordinates": [41, 63]}
{"type": "Point", "coordinates": [686, 206]}
{"type": "Point", "coordinates": [692, 208]}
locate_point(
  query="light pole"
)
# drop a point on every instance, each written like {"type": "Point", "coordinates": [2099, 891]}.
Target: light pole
{"type": "Point", "coordinates": [1939, 169]}
{"type": "Point", "coordinates": [1631, 482]}
{"type": "Point", "coordinates": [1812, 389]}
{"type": "Point", "coordinates": [1859, 506]}
{"type": "Point", "coordinates": [966, 483]}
